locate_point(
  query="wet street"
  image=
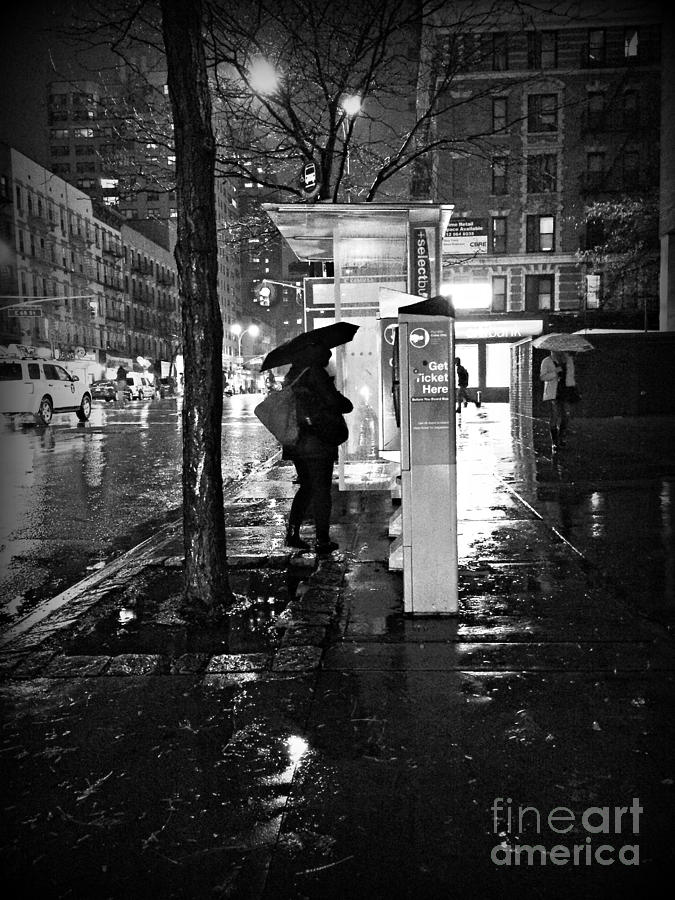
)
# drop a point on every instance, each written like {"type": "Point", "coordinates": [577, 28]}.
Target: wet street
{"type": "Point", "coordinates": [361, 752]}
{"type": "Point", "coordinates": [76, 496]}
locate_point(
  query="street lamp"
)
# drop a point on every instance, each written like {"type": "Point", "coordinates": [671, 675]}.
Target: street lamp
{"type": "Point", "coordinates": [239, 333]}
{"type": "Point", "coordinates": [351, 106]}
{"type": "Point", "coordinates": [262, 76]}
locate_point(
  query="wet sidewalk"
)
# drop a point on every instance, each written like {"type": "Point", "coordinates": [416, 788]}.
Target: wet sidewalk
{"type": "Point", "coordinates": [342, 749]}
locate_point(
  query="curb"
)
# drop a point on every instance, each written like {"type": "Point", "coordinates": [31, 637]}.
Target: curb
{"type": "Point", "coordinates": [307, 620]}
{"type": "Point", "coordinates": [89, 584]}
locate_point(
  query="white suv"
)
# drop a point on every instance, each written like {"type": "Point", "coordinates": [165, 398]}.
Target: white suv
{"type": "Point", "coordinates": [41, 388]}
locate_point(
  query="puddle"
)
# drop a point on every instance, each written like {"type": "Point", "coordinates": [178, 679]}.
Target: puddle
{"type": "Point", "coordinates": [146, 618]}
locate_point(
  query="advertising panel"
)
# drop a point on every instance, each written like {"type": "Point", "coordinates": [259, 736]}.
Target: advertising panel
{"type": "Point", "coordinates": [466, 237]}
{"type": "Point", "coordinates": [430, 394]}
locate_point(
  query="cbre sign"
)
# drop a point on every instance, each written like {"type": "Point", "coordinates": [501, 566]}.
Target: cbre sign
{"type": "Point", "coordinates": [467, 237]}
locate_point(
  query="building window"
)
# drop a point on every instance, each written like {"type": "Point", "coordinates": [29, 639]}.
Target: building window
{"type": "Point", "coordinates": [499, 175]}
{"type": "Point", "coordinates": [542, 173]}
{"type": "Point", "coordinates": [631, 169]}
{"type": "Point", "coordinates": [83, 132]}
{"type": "Point", "coordinates": [593, 291]}
{"type": "Point", "coordinates": [499, 234]}
{"type": "Point", "coordinates": [59, 134]}
{"type": "Point", "coordinates": [538, 292]}
{"type": "Point", "coordinates": [500, 52]}
{"type": "Point", "coordinates": [630, 109]}
{"type": "Point", "coordinates": [596, 47]}
{"type": "Point", "coordinates": [595, 170]}
{"type": "Point", "coordinates": [499, 109]}
{"type": "Point", "coordinates": [542, 113]}
{"type": "Point", "coordinates": [595, 110]}
{"type": "Point", "coordinates": [542, 50]}
{"type": "Point", "coordinates": [594, 234]}
{"type": "Point", "coordinates": [631, 44]}
{"type": "Point", "coordinates": [499, 293]}
{"type": "Point", "coordinates": [540, 237]}
{"type": "Point", "coordinates": [19, 198]}
{"type": "Point", "coordinates": [59, 151]}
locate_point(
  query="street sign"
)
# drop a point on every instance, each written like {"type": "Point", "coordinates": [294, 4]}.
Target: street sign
{"type": "Point", "coordinates": [310, 179]}
{"type": "Point", "coordinates": [30, 312]}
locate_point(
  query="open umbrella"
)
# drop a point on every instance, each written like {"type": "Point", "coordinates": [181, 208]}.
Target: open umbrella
{"type": "Point", "coordinates": [567, 343]}
{"type": "Point", "coordinates": [328, 336]}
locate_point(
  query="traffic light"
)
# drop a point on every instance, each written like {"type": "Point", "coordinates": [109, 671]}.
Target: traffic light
{"type": "Point", "coordinates": [265, 293]}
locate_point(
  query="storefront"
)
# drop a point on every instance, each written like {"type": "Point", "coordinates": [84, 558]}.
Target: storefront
{"type": "Point", "coordinates": [484, 346]}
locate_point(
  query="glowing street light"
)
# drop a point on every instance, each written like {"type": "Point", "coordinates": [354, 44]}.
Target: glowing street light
{"type": "Point", "coordinates": [351, 106]}
{"type": "Point", "coordinates": [262, 76]}
{"type": "Point", "coordinates": [239, 333]}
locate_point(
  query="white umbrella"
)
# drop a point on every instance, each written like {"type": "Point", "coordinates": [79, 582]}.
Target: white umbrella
{"type": "Point", "coordinates": [567, 343]}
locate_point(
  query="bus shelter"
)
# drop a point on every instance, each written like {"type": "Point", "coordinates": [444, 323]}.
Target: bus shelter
{"type": "Point", "coordinates": [377, 249]}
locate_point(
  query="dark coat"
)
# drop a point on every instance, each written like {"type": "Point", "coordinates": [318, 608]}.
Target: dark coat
{"type": "Point", "coordinates": [319, 406]}
{"type": "Point", "coordinates": [462, 376]}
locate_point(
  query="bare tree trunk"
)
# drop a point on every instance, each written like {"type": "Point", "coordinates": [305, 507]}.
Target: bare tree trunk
{"type": "Point", "coordinates": [207, 593]}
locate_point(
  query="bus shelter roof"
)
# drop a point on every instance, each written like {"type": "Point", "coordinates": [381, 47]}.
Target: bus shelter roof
{"type": "Point", "coordinates": [309, 228]}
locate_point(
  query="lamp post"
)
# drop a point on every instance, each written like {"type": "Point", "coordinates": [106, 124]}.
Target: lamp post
{"type": "Point", "coordinates": [351, 106]}
{"type": "Point", "coordinates": [238, 331]}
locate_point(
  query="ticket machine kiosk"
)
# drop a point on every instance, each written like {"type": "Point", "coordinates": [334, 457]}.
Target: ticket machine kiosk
{"type": "Point", "coordinates": [428, 457]}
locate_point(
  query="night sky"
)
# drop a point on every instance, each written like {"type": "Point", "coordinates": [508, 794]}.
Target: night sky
{"type": "Point", "coordinates": [31, 55]}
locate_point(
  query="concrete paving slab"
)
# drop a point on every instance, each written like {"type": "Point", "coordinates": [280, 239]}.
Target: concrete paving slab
{"type": "Point", "coordinates": [397, 795]}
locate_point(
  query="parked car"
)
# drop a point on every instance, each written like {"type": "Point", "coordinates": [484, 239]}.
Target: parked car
{"type": "Point", "coordinates": [141, 386]}
{"type": "Point", "coordinates": [40, 388]}
{"type": "Point", "coordinates": [167, 387]}
{"type": "Point", "coordinates": [107, 390]}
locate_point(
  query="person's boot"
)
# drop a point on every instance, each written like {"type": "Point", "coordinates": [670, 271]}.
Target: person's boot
{"type": "Point", "coordinates": [324, 545]}
{"type": "Point", "coordinates": [293, 538]}
{"type": "Point", "coordinates": [554, 438]}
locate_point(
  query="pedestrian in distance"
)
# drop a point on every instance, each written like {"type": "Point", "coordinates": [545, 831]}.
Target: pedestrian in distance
{"type": "Point", "coordinates": [120, 386]}
{"type": "Point", "coordinates": [560, 389]}
{"type": "Point", "coordinates": [322, 428]}
{"type": "Point", "coordinates": [462, 386]}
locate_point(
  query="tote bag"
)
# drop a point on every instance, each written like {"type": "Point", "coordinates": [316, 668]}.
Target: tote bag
{"type": "Point", "coordinates": [278, 413]}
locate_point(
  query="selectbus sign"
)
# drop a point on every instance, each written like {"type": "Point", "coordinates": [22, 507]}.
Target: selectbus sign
{"type": "Point", "coordinates": [421, 262]}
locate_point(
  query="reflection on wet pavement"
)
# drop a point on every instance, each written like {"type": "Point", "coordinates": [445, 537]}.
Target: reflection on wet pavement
{"type": "Point", "coordinates": [75, 497]}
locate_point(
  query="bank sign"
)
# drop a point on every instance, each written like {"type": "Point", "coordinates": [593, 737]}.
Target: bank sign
{"type": "Point", "coordinates": [466, 237]}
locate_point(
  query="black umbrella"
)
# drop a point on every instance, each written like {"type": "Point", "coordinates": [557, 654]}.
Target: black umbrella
{"type": "Point", "coordinates": [292, 351]}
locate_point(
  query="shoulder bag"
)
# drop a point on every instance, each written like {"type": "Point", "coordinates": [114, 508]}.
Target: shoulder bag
{"type": "Point", "coordinates": [278, 413]}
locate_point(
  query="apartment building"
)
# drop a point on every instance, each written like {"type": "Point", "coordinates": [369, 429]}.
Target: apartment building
{"type": "Point", "coordinates": [76, 278]}
{"type": "Point", "coordinates": [112, 140]}
{"type": "Point", "coordinates": [542, 117]}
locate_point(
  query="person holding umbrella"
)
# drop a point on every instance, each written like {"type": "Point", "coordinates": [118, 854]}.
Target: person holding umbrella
{"type": "Point", "coordinates": [557, 373]}
{"type": "Point", "coordinates": [322, 428]}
